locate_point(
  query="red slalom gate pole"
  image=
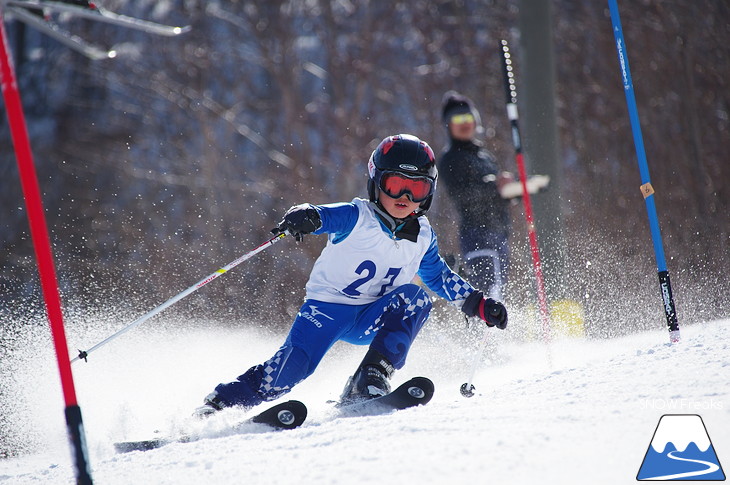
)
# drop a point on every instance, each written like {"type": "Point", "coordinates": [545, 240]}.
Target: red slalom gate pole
{"type": "Point", "coordinates": [42, 246]}
{"type": "Point", "coordinates": [509, 84]}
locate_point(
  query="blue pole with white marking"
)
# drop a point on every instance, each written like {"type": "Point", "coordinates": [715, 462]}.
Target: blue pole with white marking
{"type": "Point", "coordinates": [646, 189]}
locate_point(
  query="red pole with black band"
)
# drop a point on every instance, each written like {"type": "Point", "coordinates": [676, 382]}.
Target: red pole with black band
{"type": "Point", "coordinates": [44, 256]}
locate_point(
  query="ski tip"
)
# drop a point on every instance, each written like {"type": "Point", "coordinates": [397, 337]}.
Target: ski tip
{"type": "Point", "coordinates": [286, 415]}
{"type": "Point", "coordinates": [421, 388]}
{"type": "Point", "coordinates": [425, 382]}
{"type": "Point", "coordinates": [299, 407]}
{"type": "Point", "coordinates": [292, 415]}
{"type": "Point", "coordinates": [416, 391]}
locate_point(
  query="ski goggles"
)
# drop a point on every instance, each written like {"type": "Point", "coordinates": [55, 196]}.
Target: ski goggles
{"type": "Point", "coordinates": [462, 118]}
{"type": "Point", "coordinates": [396, 184]}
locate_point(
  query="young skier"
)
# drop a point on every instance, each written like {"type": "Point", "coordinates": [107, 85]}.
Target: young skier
{"type": "Point", "coordinates": [360, 289]}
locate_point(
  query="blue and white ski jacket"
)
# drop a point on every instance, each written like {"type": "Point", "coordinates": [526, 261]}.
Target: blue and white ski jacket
{"type": "Point", "coordinates": [364, 260]}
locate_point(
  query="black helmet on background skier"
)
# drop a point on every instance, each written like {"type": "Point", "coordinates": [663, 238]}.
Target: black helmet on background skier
{"type": "Point", "coordinates": [456, 107]}
{"type": "Point", "coordinates": [403, 165]}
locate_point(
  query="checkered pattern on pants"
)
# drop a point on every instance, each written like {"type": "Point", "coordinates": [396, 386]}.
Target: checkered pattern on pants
{"type": "Point", "coordinates": [402, 319]}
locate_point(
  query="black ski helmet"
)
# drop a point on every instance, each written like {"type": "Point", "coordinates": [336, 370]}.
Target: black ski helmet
{"type": "Point", "coordinates": [454, 103]}
{"type": "Point", "coordinates": [405, 154]}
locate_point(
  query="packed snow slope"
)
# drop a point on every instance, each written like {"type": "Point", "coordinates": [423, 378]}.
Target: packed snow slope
{"type": "Point", "coordinates": [578, 411]}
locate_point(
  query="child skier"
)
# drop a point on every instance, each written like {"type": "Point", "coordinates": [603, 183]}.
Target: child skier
{"type": "Point", "coordinates": [360, 289]}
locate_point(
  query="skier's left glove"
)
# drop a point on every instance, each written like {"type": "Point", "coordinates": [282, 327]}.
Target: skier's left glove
{"type": "Point", "coordinates": [492, 312]}
{"type": "Point", "coordinates": [299, 220]}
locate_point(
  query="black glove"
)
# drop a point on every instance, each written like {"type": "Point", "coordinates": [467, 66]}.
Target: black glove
{"type": "Point", "coordinates": [299, 220]}
{"type": "Point", "coordinates": [492, 312]}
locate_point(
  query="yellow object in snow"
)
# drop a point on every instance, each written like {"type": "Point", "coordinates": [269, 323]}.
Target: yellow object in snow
{"type": "Point", "coordinates": [568, 318]}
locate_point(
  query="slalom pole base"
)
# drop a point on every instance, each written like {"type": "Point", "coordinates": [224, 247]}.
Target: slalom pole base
{"type": "Point", "coordinates": [670, 311]}
{"type": "Point", "coordinates": [674, 336]}
{"type": "Point", "coordinates": [77, 439]}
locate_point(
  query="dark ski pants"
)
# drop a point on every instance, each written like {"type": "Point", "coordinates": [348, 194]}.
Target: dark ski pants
{"type": "Point", "coordinates": [389, 325]}
{"type": "Point", "coordinates": [487, 259]}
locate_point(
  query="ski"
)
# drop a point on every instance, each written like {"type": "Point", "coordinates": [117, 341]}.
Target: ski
{"type": "Point", "coordinates": [68, 39]}
{"type": "Point", "coordinates": [286, 415]}
{"type": "Point", "coordinates": [414, 392]}
{"type": "Point", "coordinates": [97, 13]}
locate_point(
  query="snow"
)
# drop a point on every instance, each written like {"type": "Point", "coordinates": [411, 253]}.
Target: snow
{"type": "Point", "coordinates": [680, 431]}
{"type": "Point", "coordinates": [576, 411]}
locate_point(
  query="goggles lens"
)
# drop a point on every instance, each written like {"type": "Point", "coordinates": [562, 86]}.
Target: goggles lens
{"type": "Point", "coordinates": [396, 184]}
{"type": "Point", "coordinates": [462, 118]}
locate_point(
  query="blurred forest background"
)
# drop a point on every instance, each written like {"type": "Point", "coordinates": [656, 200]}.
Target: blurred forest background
{"type": "Point", "coordinates": [169, 161]}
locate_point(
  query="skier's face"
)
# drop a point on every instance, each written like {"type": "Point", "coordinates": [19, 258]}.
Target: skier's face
{"type": "Point", "coordinates": [398, 208]}
{"type": "Point", "coordinates": [463, 131]}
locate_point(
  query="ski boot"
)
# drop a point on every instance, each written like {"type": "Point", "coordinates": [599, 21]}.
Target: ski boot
{"type": "Point", "coordinates": [371, 379]}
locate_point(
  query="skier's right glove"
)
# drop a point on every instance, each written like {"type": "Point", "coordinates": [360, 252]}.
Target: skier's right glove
{"type": "Point", "coordinates": [299, 220]}
{"type": "Point", "coordinates": [492, 312]}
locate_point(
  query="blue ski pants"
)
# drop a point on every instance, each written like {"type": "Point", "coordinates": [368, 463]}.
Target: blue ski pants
{"type": "Point", "coordinates": [389, 325]}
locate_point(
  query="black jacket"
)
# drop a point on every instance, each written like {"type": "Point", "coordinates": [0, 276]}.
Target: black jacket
{"type": "Point", "coordinates": [469, 173]}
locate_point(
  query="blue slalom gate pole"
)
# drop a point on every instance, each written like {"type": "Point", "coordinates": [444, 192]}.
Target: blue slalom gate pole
{"type": "Point", "coordinates": [646, 189]}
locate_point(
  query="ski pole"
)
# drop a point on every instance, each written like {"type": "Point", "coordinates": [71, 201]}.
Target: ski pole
{"type": "Point", "coordinates": [83, 354]}
{"type": "Point", "coordinates": [509, 84]}
{"type": "Point", "coordinates": [467, 388]}
{"type": "Point", "coordinates": [670, 312]}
